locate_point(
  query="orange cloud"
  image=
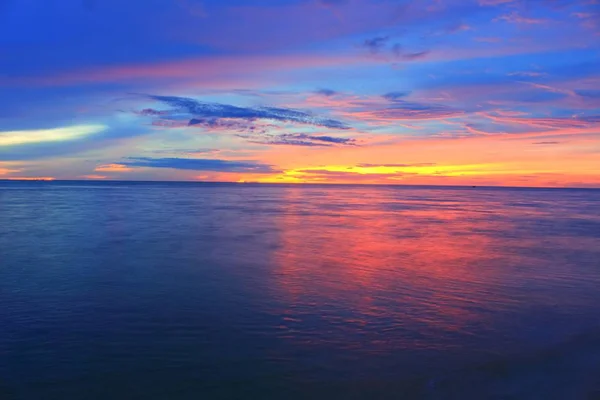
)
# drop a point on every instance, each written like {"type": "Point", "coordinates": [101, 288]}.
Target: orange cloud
{"type": "Point", "coordinates": [213, 69]}
{"type": "Point", "coordinates": [6, 171]}
{"type": "Point", "coordinates": [112, 168]}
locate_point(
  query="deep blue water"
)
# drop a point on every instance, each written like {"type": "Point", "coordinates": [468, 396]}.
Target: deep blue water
{"type": "Point", "coordinates": [201, 291]}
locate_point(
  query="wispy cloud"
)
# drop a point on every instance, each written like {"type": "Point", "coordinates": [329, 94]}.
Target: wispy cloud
{"type": "Point", "coordinates": [300, 139]}
{"type": "Point", "coordinates": [495, 2]}
{"type": "Point", "coordinates": [529, 74]}
{"type": "Point", "coordinates": [333, 2]}
{"type": "Point", "coordinates": [392, 96]}
{"type": "Point", "coordinates": [376, 44]}
{"type": "Point", "coordinates": [199, 164]}
{"type": "Point", "coordinates": [399, 52]}
{"type": "Point", "coordinates": [589, 93]}
{"type": "Point", "coordinates": [13, 138]}
{"type": "Point", "coordinates": [112, 168]}
{"type": "Point", "coordinates": [516, 18]}
{"type": "Point", "coordinates": [405, 110]}
{"type": "Point", "coordinates": [326, 92]}
{"type": "Point", "coordinates": [213, 114]}
{"type": "Point", "coordinates": [412, 55]}
{"type": "Point", "coordinates": [92, 176]}
{"type": "Point", "coordinates": [581, 122]}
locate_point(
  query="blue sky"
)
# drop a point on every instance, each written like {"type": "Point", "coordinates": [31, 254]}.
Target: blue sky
{"type": "Point", "coordinates": [500, 92]}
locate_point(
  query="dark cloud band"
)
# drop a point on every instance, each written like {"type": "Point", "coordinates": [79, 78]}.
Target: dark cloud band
{"type": "Point", "coordinates": [199, 164]}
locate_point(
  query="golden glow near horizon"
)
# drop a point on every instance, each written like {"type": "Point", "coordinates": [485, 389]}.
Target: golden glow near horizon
{"type": "Point", "coordinates": [308, 173]}
{"type": "Point", "coordinates": [31, 178]}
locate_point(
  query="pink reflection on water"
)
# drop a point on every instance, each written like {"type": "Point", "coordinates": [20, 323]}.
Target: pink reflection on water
{"type": "Point", "coordinates": [399, 270]}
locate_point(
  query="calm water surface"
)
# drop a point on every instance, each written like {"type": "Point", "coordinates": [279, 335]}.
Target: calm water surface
{"type": "Point", "coordinates": [201, 291]}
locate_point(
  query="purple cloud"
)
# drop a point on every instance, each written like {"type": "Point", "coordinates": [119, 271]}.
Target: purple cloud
{"type": "Point", "coordinates": [199, 164]}
{"type": "Point", "coordinates": [211, 114]}
{"type": "Point", "coordinates": [300, 139]}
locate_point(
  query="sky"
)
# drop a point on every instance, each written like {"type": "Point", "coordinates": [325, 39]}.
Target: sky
{"type": "Point", "coordinates": [440, 92]}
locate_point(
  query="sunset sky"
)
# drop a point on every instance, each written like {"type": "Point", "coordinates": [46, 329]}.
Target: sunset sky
{"type": "Point", "coordinates": [442, 92]}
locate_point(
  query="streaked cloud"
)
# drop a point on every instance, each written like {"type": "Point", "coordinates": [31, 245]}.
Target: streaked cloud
{"type": "Point", "coordinates": [199, 164]}
{"type": "Point", "coordinates": [6, 171]}
{"type": "Point", "coordinates": [326, 92]}
{"type": "Point", "coordinates": [376, 44]}
{"type": "Point", "coordinates": [93, 176]}
{"type": "Point", "coordinates": [300, 139]}
{"type": "Point", "coordinates": [15, 138]}
{"type": "Point", "coordinates": [515, 17]}
{"type": "Point", "coordinates": [214, 114]}
{"type": "Point", "coordinates": [112, 168]}
{"type": "Point", "coordinates": [405, 110]}
{"type": "Point", "coordinates": [393, 96]}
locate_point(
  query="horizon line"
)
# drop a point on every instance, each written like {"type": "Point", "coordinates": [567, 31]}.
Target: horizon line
{"type": "Point", "coordinates": [42, 180]}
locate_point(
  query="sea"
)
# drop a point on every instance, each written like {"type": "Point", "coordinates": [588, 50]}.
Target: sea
{"type": "Point", "coordinates": [156, 290]}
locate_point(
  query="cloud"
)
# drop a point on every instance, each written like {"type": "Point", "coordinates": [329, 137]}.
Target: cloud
{"type": "Point", "coordinates": [93, 176]}
{"type": "Point", "coordinates": [15, 138]}
{"type": "Point", "coordinates": [404, 110]}
{"type": "Point", "coordinates": [458, 27]}
{"type": "Point", "coordinates": [213, 114]}
{"type": "Point", "coordinates": [416, 55]}
{"type": "Point", "coordinates": [112, 168]}
{"type": "Point", "coordinates": [31, 178]}
{"type": "Point", "coordinates": [186, 151]}
{"type": "Point", "coordinates": [199, 164]}
{"type": "Point", "coordinates": [115, 134]}
{"type": "Point", "coordinates": [376, 44]}
{"type": "Point", "coordinates": [592, 94]}
{"type": "Point", "coordinates": [392, 96]}
{"type": "Point", "coordinates": [495, 2]}
{"type": "Point", "coordinates": [546, 143]}
{"type": "Point", "coordinates": [399, 52]}
{"type": "Point", "coordinates": [488, 39]}
{"type": "Point", "coordinates": [550, 122]}
{"type": "Point", "coordinates": [300, 139]}
{"type": "Point", "coordinates": [515, 18]}
{"type": "Point", "coordinates": [326, 92]}
{"type": "Point", "coordinates": [332, 2]}
{"type": "Point", "coordinates": [6, 171]}
{"type": "Point", "coordinates": [528, 74]}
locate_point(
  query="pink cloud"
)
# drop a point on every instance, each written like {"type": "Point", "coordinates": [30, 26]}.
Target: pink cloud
{"type": "Point", "coordinates": [495, 2]}
{"type": "Point", "coordinates": [488, 39]}
{"type": "Point", "coordinates": [208, 70]}
{"type": "Point", "coordinates": [553, 123]}
{"type": "Point", "coordinates": [393, 114]}
{"type": "Point", "coordinates": [515, 18]}
{"type": "Point", "coordinates": [93, 176]}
